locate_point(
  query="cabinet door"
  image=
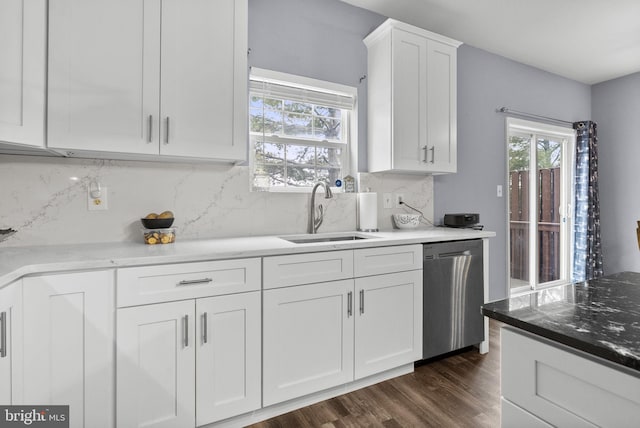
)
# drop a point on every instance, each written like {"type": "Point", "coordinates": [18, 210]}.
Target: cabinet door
{"type": "Point", "coordinates": [307, 339]}
{"type": "Point", "coordinates": [409, 98]}
{"type": "Point", "coordinates": [69, 344]}
{"type": "Point", "coordinates": [22, 74]}
{"type": "Point", "coordinates": [441, 107]}
{"type": "Point", "coordinates": [204, 78]}
{"type": "Point", "coordinates": [104, 68]}
{"type": "Point", "coordinates": [388, 322]}
{"type": "Point", "coordinates": [156, 365]}
{"type": "Point", "coordinates": [228, 363]}
{"type": "Point", "coordinates": [10, 343]}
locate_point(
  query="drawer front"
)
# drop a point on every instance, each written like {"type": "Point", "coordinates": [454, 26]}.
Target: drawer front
{"type": "Point", "coordinates": [563, 387]}
{"type": "Point", "coordinates": [283, 271]}
{"type": "Point", "coordinates": [163, 283]}
{"type": "Point", "coordinates": [383, 260]}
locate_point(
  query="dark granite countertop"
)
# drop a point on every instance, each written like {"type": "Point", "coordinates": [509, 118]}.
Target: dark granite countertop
{"type": "Point", "coordinates": [600, 317]}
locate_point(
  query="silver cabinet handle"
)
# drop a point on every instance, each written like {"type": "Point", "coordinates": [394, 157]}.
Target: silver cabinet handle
{"type": "Point", "coordinates": [185, 333]}
{"type": "Point", "coordinates": [349, 304]}
{"type": "Point", "coordinates": [166, 135]}
{"type": "Point", "coordinates": [424, 159]}
{"type": "Point", "coordinates": [150, 129]}
{"type": "Point", "coordinates": [361, 302]}
{"type": "Point", "coordinates": [3, 334]}
{"type": "Point", "coordinates": [195, 281]}
{"type": "Point", "coordinates": [204, 328]}
{"type": "Point", "coordinates": [433, 154]}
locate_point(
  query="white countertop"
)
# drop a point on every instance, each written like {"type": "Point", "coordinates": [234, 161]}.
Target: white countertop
{"type": "Point", "coordinates": [16, 262]}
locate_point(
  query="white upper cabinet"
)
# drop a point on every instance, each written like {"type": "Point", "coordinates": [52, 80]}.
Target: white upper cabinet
{"type": "Point", "coordinates": [139, 78]}
{"type": "Point", "coordinates": [411, 100]}
{"type": "Point", "coordinates": [23, 32]}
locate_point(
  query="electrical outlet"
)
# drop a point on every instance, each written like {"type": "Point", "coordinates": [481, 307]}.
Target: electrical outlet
{"type": "Point", "coordinates": [399, 199]}
{"type": "Point", "coordinates": [387, 200]}
{"type": "Point", "coordinates": [98, 203]}
{"type": "Point", "coordinates": [499, 191]}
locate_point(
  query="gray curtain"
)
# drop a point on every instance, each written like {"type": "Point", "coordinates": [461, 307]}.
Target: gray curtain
{"type": "Point", "coordinates": [587, 263]}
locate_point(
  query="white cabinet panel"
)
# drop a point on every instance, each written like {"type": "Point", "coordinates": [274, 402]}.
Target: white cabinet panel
{"type": "Point", "coordinates": [513, 416]}
{"type": "Point", "coordinates": [228, 356]}
{"type": "Point", "coordinates": [23, 72]}
{"type": "Point", "coordinates": [412, 100]}
{"type": "Point", "coordinates": [163, 283]}
{"type": "Point", "coordinates": [148, 78]}
{"type": "Point", "coordinates": [156, 365]}
{"type": "Point", "coordinates": [11, 343]}
{"type": "Point", "coordinates": [308, 339]}
{"type": "Point", "coordinates": [204, 85]}
{"type": "Point", "coordinates": [388, 331]}
{"type": "Point", "coordinates": [68, 344]}
{"type": "Point", "coordinates": [409, 95]}
{"type": "Point", "coordinates": [382, 260]}
{"type": "Point", "coordinates": [442, 110]}
{"type": "Point", "coordinates": [282, 271]}
{"type": "Point", "coordinates": [564, 388]}
{"type": "Point", "coordinates": [103, 76]}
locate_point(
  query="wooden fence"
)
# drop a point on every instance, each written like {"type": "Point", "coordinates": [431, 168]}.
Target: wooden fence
{"type": "Point", "coordinates": [548, 224]}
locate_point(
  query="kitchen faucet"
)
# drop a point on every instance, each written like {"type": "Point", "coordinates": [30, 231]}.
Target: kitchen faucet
{"type": "Point", "coordinates": [314, 223]}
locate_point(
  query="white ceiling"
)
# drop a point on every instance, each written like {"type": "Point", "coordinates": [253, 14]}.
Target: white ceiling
{"type": "Point", "coordinates": [589, 41]}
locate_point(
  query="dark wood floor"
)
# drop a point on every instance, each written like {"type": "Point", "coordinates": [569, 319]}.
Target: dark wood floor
{"type": "Point", "coordinates": [462, 390]}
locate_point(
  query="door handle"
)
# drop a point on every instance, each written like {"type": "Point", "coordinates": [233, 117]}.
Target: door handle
{"type": "Point", "coordinates": [424, 158]}
{"type": "Point", "coordinates": [204, 328]}
{"type": "Point", "coordinates": [166, 135]}
{"type": "Point", "coordinates": [150, 129]}
{"type": "Point", "coordinates": [361, 302]}
{"type": "Point", "coordinates": [185, 331]}
{"type": "Point", "coordinates": [349, 304]}
{"type": "Point", "coordinates": [3, 334]}
{"type": "Point", "coordinates": [195, 281]}
{"type": "Point", "coordinates": [433, 154]}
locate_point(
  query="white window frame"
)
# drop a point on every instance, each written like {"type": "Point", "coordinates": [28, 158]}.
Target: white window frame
{"type": "Point", "coordinates": [566, 201]}
{"type": "Point", "coordinates": [349, 126]}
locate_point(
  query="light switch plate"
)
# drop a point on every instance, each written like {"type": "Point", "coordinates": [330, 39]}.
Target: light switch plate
{"type": "Point", "coordinates": [100, 203]}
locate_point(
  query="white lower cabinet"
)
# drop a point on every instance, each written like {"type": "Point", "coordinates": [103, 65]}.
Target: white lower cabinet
{"type": "Point", "coordinates": [323, 334]}
{"type": "Point", "coordinates": [188, 363]}
{"type": "Point", "coordinates": [388, 322]}
{"type": "Point", "coordinates": [68, 345]}
{"type": "Point", "coordinates": [156, 365]}
{"type": "Point", "coordinates": [10, 343]}
{"type": "Point", "coordinates": [308, 339]}
{"type": "Point", "coordinates": [228, 356]}
{"type": "Point", "coordinates": [544, 383]}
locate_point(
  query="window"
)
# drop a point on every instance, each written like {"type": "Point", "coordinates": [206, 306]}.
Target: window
{"type": "Point", "coordinates": [300, 131]}
{"type": "Point", "coordinates": [541, 165]}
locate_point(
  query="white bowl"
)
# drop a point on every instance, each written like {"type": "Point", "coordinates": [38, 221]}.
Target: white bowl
{"type": "Point", "coordinates": [406, 221]}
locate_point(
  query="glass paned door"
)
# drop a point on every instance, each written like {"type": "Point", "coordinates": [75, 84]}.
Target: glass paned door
{"type": "Point", "coordinates": [540, 163]}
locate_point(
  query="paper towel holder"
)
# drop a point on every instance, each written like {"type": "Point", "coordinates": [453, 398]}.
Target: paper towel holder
{"type": "Point", "coordinates": [359, 215]}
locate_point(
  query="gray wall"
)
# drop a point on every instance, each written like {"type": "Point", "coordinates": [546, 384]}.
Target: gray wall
{"type": "Point", "coordinates": [616, 110]}
{"type": "Point", "coordinates": [486, 82]}
{"type": "Point", "coordinates": [321, 39]}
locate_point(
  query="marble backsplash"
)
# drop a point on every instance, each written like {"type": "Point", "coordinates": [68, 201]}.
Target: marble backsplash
{"type": "Point", "coordinates": [45, 200]}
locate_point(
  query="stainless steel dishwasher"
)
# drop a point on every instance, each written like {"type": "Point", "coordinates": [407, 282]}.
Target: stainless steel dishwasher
{"type": "Point", "coordinates": [453, 291]}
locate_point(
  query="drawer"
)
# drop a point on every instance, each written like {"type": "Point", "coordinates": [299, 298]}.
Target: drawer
{"type": "Point", "coordinates": [383, 260]}
{"type": "Point", "coordinates": [296, 269]}
{"type": "Point", "coordinates": [514, 416]}
{"type": "Point", "coordinates": [162, 283]}
{"type": "Point", "coordinates": [564, 386]}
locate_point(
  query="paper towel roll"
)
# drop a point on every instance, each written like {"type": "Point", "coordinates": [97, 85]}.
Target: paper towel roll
{"type": "Point", "coordinates": [368, 212]}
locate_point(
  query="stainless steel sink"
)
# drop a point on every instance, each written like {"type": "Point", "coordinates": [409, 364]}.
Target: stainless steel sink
{"type": "Point", "coordinates": [312, 238]}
